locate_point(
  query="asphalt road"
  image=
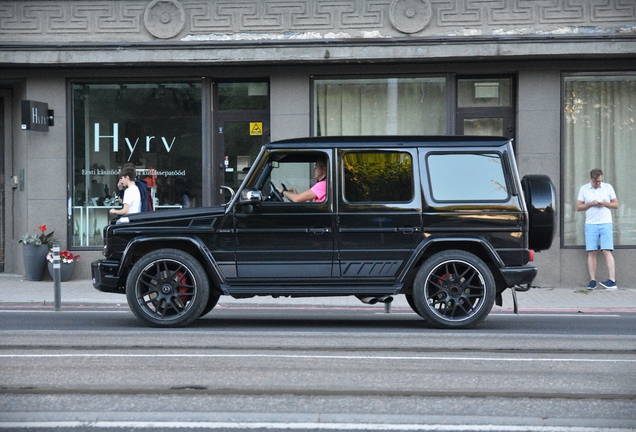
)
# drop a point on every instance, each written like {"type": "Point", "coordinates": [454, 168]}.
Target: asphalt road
{"type": "Point", "coordinates": [304, 368]}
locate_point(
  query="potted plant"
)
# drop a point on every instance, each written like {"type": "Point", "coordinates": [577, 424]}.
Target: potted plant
{"type": "Point", "coordinates": [67, 263]}
{"type": "Point", "coordinates": [34, 252]}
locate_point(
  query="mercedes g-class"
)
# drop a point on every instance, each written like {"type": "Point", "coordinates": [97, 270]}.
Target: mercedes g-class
{"type": "Point", "coordinates": [445, 221]}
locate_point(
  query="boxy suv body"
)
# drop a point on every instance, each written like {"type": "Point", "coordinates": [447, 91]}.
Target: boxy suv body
{"type": "Point", "coordinates": [446, 221]}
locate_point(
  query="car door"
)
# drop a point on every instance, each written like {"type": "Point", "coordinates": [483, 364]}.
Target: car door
{"type": "Point", "coordinates": [379, 212]}
{"type": "Point", "coordinates": [282, 240]}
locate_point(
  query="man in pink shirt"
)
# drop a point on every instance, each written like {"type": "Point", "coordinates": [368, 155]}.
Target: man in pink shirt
{"type": "Point", "coordinates": [318, 193]}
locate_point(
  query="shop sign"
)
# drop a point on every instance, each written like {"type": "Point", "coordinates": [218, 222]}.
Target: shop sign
{"type": "Point", "coordinates": [36, 116]}
{"type": "Point", "coordinates": [131, 146]}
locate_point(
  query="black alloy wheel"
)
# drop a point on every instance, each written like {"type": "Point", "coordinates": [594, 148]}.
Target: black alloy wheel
{"type": "Point", "coordinates": [454, 289]}
{"type": "Point", "coordinates": [167, 288]}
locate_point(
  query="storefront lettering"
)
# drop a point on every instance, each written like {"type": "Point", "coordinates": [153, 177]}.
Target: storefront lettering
{"type": "Point", "coordinates": [148, 172]}
{"type": "Point", "coordinates": [165, 143]}
{"type": "Point", "coordinates": [114, 136]}
{"type": "Point", "coordinates": [129, 144]}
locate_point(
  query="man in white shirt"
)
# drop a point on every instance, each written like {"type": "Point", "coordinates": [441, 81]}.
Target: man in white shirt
{"type": "Point", "coordinates": [132, 198]}
{"type": "Point", "coordinates": [596, 199]}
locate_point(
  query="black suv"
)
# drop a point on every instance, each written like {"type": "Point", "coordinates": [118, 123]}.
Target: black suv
{"type": "Point", "coordinates": [446, 221]}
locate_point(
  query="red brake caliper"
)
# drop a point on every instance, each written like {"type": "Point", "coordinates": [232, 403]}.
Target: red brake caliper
{"type": "Point", "coordinates": [182, 289]}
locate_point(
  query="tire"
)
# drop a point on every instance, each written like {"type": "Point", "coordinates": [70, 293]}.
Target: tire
{"type": "Point", "coordinates": [167, 288]}
{"type": "Point", "coordinates": [454, 289]}
{"type": "Point", "coordinates": [411, 302]}
{"type": "Point", "coordinates": [212, 301]}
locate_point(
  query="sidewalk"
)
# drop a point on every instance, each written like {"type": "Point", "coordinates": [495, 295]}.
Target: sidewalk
{"type": "Point", "coordinates": [14, 289]}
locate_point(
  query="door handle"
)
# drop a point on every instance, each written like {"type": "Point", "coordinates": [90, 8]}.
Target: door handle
{"type": "Point", "coordinates": [408, 230]}
{"type": "Point", "coordinates": [319, 231]}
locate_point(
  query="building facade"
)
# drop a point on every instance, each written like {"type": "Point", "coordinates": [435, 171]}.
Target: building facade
{"type": "Point", "coordinates": [188, 90]}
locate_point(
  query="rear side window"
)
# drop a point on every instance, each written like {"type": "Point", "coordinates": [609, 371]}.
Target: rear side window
{"type": "Point", "coordinates": [378, 177]}
{"type": "Point", "coordinates": [467, 177]}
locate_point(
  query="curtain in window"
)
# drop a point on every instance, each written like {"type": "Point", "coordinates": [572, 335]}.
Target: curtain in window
{"type": "Point", "coordinates": [382, 106]}
{"type": "Point", "coordinates": [600, 132]}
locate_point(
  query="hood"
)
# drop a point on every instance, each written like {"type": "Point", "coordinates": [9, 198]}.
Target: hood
{"type": "Point", "coordinates": [171, 214]}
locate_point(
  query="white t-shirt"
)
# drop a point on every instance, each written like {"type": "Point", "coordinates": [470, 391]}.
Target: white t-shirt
{"type": "Point", "coordinates": [133, 199]}
{"type": "Point", "coordinates": [597, 215]}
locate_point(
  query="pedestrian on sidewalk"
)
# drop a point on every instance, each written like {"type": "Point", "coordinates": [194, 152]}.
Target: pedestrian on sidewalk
{"type": "Point", "coordinates": [596, 199]}
{"type": "Point", "coordinates": [132, 198]}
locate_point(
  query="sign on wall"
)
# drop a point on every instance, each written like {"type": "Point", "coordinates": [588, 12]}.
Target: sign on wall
{"type": "Point", "coordinates": [36, 116]}
{"type": "Point", "coordinates": [256, 128]}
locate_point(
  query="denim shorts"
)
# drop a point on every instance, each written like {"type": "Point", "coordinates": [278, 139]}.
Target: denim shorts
{"type": "Point", "coordinates": [596, 232]}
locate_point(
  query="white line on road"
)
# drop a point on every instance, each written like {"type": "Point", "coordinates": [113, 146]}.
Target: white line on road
{"type": "Point", "coordinates": [302, 426]}
{"type": "Point", "coordinates": [313, 357]}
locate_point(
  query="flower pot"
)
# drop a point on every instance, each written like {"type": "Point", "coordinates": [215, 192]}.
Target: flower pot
{"type": "Point", "coordinates": [66, 270]}
{"type": "Point", "coordinates": [34, 261]}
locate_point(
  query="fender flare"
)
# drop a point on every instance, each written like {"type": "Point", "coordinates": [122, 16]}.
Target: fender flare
{"type": "Point", "coordinates": [209, 263]}
{"type": "Point", "coordinates": [423, 247]}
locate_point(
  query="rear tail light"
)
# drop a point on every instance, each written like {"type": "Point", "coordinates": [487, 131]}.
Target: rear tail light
{"type": "Point", "coordinates": [531, 255]}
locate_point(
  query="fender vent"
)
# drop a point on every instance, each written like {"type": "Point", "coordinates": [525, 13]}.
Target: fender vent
{"type": "Point", "coordinates": [206, 222]}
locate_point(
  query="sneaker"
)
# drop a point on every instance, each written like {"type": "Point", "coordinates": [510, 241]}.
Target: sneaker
{"type": "Point", "coordinates": [609, 284]}
{"type": "Point", "coordinates": [592, 285]}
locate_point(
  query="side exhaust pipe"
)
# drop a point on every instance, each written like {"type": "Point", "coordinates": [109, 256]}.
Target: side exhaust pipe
{"type": "Point", "coordinates": [374, 300]}
{"type": "Point", "coordinates": [368, 300]}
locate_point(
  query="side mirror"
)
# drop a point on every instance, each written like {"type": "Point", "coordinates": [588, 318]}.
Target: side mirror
{"type": "Point", "coordinates": [250, 196]}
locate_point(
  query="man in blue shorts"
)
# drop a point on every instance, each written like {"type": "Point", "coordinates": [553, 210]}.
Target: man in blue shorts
{"type": "Point", "coordinates": [596, 199]}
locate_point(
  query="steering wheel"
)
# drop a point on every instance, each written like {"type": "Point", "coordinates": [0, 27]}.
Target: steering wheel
{"type": "Point", "coordinates": [273, 194]}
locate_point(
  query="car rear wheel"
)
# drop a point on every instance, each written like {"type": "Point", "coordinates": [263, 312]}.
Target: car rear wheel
{"type": "Point", "coordinates": [411, 302]}
{"type": "Point", "coordinates": [167, 288]}
{"type": "Point", "coordinates": [454, 289]}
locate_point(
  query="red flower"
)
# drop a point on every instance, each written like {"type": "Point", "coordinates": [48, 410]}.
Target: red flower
{"type": "Point", "coordinates": [42, 228]}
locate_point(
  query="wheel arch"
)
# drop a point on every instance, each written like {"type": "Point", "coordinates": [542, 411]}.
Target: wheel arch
{"type": "Point", "coordinates": [140, 246]}
{"type": "Point", "coordinates": [475, 245]}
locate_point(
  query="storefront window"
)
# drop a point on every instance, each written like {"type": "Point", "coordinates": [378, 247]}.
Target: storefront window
{"type": "Point", "coordinates": [156, 126]}
{"type": "Point", "coordinates": [380, 106]}
{"type": "Point", "coordinates": [599, 129]}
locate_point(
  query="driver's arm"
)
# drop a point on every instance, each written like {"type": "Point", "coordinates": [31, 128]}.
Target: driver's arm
{"type": "Point", "coordinates": [294, 196]}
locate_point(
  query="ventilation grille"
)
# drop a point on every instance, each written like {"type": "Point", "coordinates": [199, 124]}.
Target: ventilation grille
{"type": "Point", "coordinates": [206, 222]}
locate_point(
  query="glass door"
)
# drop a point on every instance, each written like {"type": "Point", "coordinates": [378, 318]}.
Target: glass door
{"type": "Point", "coordinates": [241, 128]}
{"type": "Point", "coordinates": [485, 106]}
{"type": "Point", "coordinates": [240, 142]}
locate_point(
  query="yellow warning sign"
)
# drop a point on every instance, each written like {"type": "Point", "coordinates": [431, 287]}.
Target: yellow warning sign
{"type": "Point", "coordinates": [256, 128]}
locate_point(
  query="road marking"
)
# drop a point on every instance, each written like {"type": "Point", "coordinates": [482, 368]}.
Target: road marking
{"type": "Point", "coordinates": [314, 357]}
{"type": "Point", "coordinates": [568, 315]}
{"type": "Point", "coordinates": [302, 426]}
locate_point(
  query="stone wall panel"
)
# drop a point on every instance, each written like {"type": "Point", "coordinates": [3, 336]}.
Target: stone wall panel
{"type": "Point", "coordinates": [150, 20]}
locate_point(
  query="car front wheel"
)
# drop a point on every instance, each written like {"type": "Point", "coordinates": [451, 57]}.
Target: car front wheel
{"type": "Point", "coordinates": [167, 288]}
{"type": "Point", "coordinates": [454, 289]}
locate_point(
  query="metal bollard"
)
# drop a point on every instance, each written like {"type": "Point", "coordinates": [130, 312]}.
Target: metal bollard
{"type": "Point", "coordinates": [57, 276]}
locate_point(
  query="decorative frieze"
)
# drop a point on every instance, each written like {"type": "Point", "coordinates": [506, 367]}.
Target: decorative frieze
{"type": "Point", "coordinates": [148, 20]}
